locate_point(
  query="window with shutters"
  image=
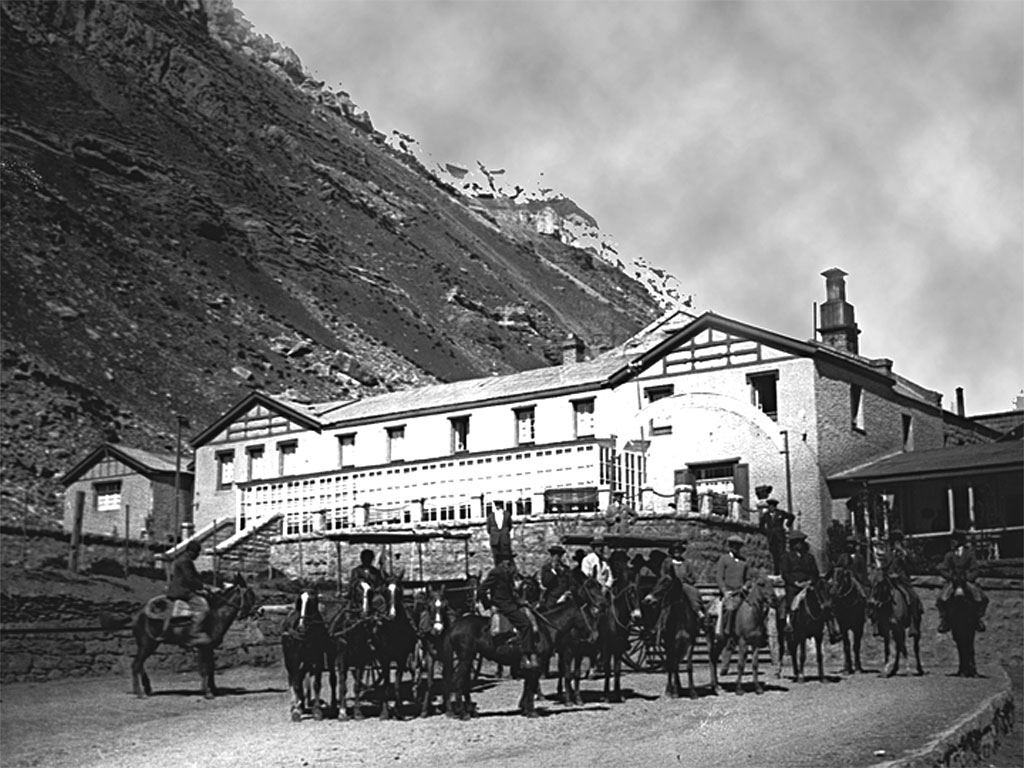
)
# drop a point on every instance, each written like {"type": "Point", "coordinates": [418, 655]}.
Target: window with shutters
{"type": "Point", "coordinates": [525, 433]}
{"type": "Point", "coordinates": [460, 434]}
{"type": "Point", "coordinates": [763, 393]}
{"type": "Point", "coordinates": [108, 496]}
{"type": "Point", "coordinates": [225, 469]}
{"type": "Point", "coordinates": [583, 417]}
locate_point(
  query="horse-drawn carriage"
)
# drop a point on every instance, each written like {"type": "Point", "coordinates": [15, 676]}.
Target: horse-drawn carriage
{"type": "Point", "coordinates": [368, 630]}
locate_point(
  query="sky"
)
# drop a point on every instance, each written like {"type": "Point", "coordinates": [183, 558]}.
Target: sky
{"type": "Point", "coordinates": [745, 147]}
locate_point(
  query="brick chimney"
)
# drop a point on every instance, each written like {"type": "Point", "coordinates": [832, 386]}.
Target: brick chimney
{"type": "Point", "coordinates": [838, 328]}
{"type": "Point", "coordinates": [573, 349]}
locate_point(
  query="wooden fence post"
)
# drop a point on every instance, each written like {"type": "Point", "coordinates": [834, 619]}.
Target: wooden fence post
{"type": "Point", "coordinates": [76, 531]}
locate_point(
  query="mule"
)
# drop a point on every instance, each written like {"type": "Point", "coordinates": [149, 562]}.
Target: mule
{"type": "Point", "coordinates": [962, 618]}
{"type": "Point", "coordinates": [895, 619]}
{"type": "Point", "coordinates": [305, 645]}
{"type": "Point", "coordinates": [747, 633]}
{"type": "Point", "coordinates": [807, 622]}
{"type": "Point", "coordinates": [678, 632]}
{"type": "Point", "coordinates": [395, 643]}
{"type": "Point", "coordinates": [236, 601]}
{"type": "Point", "coordinates": [470, 636]}
{"type": "Point", "coordinates": [353, 636]}
{"type": "Point", "coordinates": [621, 611]}
{"type": "Point", "coordinates": [432, 617]}
{"type": "Point", "coordinates": [849, 607]}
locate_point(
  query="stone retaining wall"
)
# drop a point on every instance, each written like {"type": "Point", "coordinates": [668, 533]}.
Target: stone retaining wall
{"type": "Point", "coordinates": [51, 652]}
{"type": "Point", "coordinates": [38, 548]}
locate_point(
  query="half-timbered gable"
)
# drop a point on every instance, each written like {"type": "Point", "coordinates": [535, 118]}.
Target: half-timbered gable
{"type": "Point", "coordinates": [691, 414]}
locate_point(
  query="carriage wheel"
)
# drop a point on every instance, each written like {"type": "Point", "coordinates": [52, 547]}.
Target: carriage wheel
{"type": "Point", "coordinates": [642, 653]}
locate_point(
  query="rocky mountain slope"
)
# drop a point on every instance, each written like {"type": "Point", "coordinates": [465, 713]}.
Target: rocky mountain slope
{"type": "Point", "coordinates": [187, 215]}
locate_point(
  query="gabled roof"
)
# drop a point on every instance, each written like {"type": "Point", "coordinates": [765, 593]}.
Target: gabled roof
{"type": "Point", "coordinates": [302, 414]}
{"type": "Point", "coordinates": [941, 462]}
{"type": "Point", "coordinates": [607, 370]}
{"type": "Point", "coordinates": [144, 462]}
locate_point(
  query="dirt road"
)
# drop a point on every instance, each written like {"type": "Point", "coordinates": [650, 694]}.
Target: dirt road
{"type": "Point", "coordinates": [846, 721]}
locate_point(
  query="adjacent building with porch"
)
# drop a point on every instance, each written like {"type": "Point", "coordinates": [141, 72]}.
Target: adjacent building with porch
{"type": "Point", "coordinates": [686, 419]}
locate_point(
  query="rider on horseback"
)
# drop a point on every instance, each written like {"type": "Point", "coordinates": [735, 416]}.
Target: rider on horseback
{"type": "Point", "coordinates": [555, 578]}
{"type": "Point", "coordinates": [732, 576]}
{"type": "Point", "coordinates": [893, 564]}
{"type": "Point", "coordinates": [854, 562]}
{"type": "Point", "coordinates": [677, 567]}
{"type": "Point", "coordinates": [367, 572]}
{"type": "Point", "coordinates": [499, 589]}
{"type": "Point", "coordinates": [960, 566]}
{"type": "Point", "coordinates": [595, 564]}
{"type": "Point", "coordinates": [187, 585]}
{"type": "Point", "coordinates": [800, 571]}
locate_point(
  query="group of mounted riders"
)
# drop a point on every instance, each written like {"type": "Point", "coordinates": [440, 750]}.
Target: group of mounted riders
{"type": "Point", "coordinates": [501, 592]}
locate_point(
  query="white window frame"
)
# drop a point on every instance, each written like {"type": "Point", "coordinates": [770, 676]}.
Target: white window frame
{"type": "Point", "coordinates": [459, 434]}
{"type": "Point", "coordinates": [256, 457]}
{"type": "Point", "coordinates": [108, 496]}
{"type": "Point", "coordinates": [396, 443]}
{"type": "Point", "coordinates": [287, 455]}
{"type": "Point", "coordinates": [346, 449]}
{"type": "Point", "coordinates": [583, 420]}
{"type": "Point", "coordinates": [526, 424]}
{"type": "Point", "coordinates": [225, 469]}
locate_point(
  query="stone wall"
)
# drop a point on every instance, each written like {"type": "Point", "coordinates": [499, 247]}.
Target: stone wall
{"type": "Point", "coordinates": [316, 558]}
{"type": "Point", "coordinates": [50, 652]}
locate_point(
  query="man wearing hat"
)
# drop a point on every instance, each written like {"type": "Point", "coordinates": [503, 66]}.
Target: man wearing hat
{"type": "Point", "coordinates": [960, 566]}
{"type": "Point", "coordinates": [187, 585]}
{"type": "Point", "coordinates": [732, 576]}
{"type": "Point", "coordinates": [595, 564]}
{"type": "Point", "coordinates": [619, 516]}
{"type": "Point", "coordinates": [367, 571]}
{"type": "Point", "coordinates": [555, 578]}
{"type": "Point", "coordinates": [799, 570]}
{"type": "Point", "coordinates": [498, 589]}
{"type": "Point", "coordinates": [774, 522]}
{"type": "Point", "coordinates": [499, 528]}
{"type": "Point", "coordinates": [676, 566]}
{"type": "Point", "coordinates": [894, 565]}
{"type": "Point", "coordinates": [853, 561]}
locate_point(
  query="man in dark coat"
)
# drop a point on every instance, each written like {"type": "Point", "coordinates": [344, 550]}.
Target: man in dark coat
{"type": "Point", "coordinates": [853, 561]}
{"type": "Point", "coordinates": [894, 565]}
{"type": "Point", "coordinates": [499, 528]}
{"type": "Point", "coordinates": [799, 570]}
{"type": "Point", "coordinates": [676, 566]}
{"type": "Point", "coordinates": [367, 571]}
{"type": "Point", "coordinates": [498, 589]}
{"type": "Point", "coordinates": [187, 585]}
{"type": "Point", "coordinates": [960, 567]}
{"type": "Point", "coordinates": [555, 578]}
{"type": "Point", "coordinates": [775, 522]}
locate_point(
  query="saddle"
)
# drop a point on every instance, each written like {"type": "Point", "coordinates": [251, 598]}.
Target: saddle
{"type": "Point", "coordinates": [161, 608]}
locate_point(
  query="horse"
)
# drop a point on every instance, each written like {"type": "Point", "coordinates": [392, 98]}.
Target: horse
{"type": "Point", "coordinates": [962, 617]}
{"type": "Point", "coordinates": [236, 601]}
{"type": "Point", "coordinates": [807, 622]}
{"type": "Point", "coordinates": [895, 618]}
{"type": "Point", "coordinates": [353, 634]}
{"type": "Point", "coordinates": [678, 630]}
{"type": "Point", "coordinates": [577, 644]}
{"type": "Point", "coordinates": [622, 609]}
{"type": "Point", "coordinates": [747, 632]}
{"type": "Point", "coordinates": [471, 635]}
{"type": "Point", "coordinates": [432, 617]}
{"type": "Point", "coordinates": [395, 643]}
{"type": "Point", "coordinates": [306, 648]}
{"type": "Point", "coordinates": [850, 609]}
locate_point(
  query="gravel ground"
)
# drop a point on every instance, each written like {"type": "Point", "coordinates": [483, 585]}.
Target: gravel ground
{"type": "Point", "coordinates": [843, 722]}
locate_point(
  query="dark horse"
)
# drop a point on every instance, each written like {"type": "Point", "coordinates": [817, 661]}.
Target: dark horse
{"type": "Point", "coordinates": [747, 632]}
{"type": "Point", "coordinates": [962, 617]}
{"type": "Point", "coordinates": [236, 601]}
{"type": "Point", "coordinates": [471, 635]}
{"type": "Point", "coordinates": [678, 630]}
{"type": "Point", "coordinates": [807, 622]}
{"type": "Point", "coordinates": [622, 609]}
{"type": "Point", "coordinates": [307, 652]}
{"type": "Point", "coordinates": [850, 609]}
{"type": "Point", "coordinates": [432, 617]}
{"type": "Point", "coordinates": [395, 642]}
{"type": "Point", "coordinates": [354, 634]}
{"type": "Point", "coordinates": [896, 619]}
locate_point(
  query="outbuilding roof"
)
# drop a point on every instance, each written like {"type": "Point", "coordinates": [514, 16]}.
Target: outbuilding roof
{"type": "Point", "coordinates": [142, 461]}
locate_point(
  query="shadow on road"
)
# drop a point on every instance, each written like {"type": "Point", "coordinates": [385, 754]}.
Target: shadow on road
{"type": "Point", "coordinates": [221, 691]}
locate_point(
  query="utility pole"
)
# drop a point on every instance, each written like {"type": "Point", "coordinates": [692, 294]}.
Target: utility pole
{"type": "Point", "coordinates": [176, 533]}
{"type": "Point", "coordinates": [789, 481]}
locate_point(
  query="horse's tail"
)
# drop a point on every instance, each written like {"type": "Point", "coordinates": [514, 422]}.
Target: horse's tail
{"type": "Point", "coordinates": [110, 622]}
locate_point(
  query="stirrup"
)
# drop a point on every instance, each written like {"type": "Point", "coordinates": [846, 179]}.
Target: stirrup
{"type": "Point", "coordinates": [981, 625]}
